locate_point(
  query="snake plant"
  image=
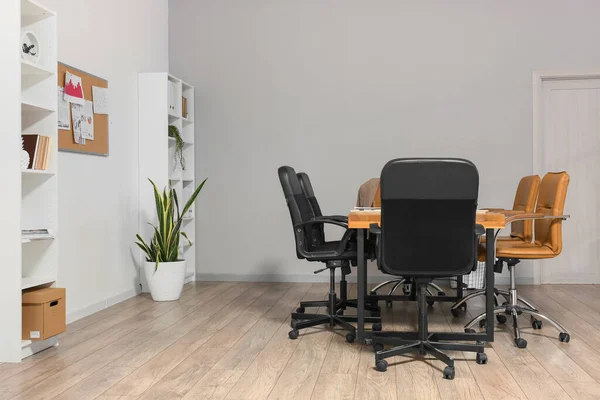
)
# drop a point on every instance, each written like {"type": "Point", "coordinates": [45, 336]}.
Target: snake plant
{"type": "Point", "coordinates": [164, 246]}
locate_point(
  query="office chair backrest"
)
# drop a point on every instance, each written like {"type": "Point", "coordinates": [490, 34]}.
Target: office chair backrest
{"type": "Point", "coordinates": [309, 194]}
{"type": "Point", "coordinates": [428, 210]}
{"type": "Point", "coordinates": [300, 210]}
{"type": "Point", "coordinates": [307, 189]}
{"type": "Point", "coordinates": [551, 201]}
{"type": "Point", "coordinates": [377, 198]}
{"type": "Point", "coordinates": [525, 199]}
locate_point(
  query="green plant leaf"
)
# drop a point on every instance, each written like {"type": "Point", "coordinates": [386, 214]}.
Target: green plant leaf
{"type": "Point", "coordinates": [188, 239]}
{"type": "Point", "coordinates": [193, 197]}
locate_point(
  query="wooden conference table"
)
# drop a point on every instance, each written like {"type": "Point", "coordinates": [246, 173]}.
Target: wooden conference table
{"type": "Point", "coordinates": [491, 221]}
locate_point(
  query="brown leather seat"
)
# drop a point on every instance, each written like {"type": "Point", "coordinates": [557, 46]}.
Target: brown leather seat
{"type": "Point", "coordinates": [548, 232]}
{"type": "Point", "coordinates": [525, 197]}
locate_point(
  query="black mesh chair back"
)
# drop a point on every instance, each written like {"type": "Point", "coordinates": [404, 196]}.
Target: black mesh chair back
{"type": "Point", "coordinates": [300, 211]}
{"type": "Point", "coordinates": [428, 211]}
{"type": "Point", "coordinates": [309, 193]}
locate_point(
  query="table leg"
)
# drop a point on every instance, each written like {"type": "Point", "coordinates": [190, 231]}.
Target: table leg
{"type": "Point", "coordinates": [362, 285]}
{"type": "Point", "coordinates": [490, 258]}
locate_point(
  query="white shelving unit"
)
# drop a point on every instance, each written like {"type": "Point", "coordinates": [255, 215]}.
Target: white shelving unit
{"type": "Point", "coordinates": [34, 262]}
{"type": "Point", "coordinates": [160, 105]}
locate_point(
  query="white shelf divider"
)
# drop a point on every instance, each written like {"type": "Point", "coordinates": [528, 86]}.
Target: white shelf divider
{"type": "Point", "coordinates": [30, 106]}
{"type": "Point", "coordinates": [37, 172]}
{"type": "Point", "coordinates": [34, 281]}
{"type": "Point", "coordinates": [29, 68]}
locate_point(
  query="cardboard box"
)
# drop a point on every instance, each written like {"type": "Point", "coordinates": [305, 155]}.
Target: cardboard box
{"type": "Point", "coordinates": [44, 313]}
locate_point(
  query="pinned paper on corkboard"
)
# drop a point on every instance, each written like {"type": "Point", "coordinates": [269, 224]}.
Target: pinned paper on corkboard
{"type": "Point", "coordinates": [97, 124]}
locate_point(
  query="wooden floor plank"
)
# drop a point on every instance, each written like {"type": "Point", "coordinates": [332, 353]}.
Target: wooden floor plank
{"type": "Point", "coordinates": [88, 365]}
{"type": "Point", "coordinates": [67, 341]}
{"type": "Point", "coordinates": [261, 376]}
{"type": "Point", "coordinates": [179, 381]}
{"type": "Point", "coordinates": [229, 340]}
{"type": "Point", "coordinates": [162, 363]}
{"type": "Point", "coordinates": [334, 387]}
{"type": "Point", "coordinates": [243, 353]}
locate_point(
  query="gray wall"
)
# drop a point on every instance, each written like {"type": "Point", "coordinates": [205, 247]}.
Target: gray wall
{"type": "Point", "coordinates": [337, 88]}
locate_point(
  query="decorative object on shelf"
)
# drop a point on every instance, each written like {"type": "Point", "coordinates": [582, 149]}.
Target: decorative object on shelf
{"type": "Point", "coordinates": [164, 269]}
{"type": "Point", "coordinates": [30, 48]}
{"type": "Point", "coordinates": [24, 155]}
{"type": "Point", "coordinates": [38, 148]}
{"type": "Point", "coordinates": [184, 112]}
{"type": "Point", "coordinates": [179, 159]}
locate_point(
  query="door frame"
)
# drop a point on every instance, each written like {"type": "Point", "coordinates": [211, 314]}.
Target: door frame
{"type": "Point", "coordinates": [539, 77]}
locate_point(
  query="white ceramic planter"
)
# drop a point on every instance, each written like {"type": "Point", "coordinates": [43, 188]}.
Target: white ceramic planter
{"type": "Point", "coordinates": [166, 282]}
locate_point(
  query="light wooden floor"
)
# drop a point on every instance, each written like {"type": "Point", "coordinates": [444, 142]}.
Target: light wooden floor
{"type": "Point", "coordinates": [229, 341]}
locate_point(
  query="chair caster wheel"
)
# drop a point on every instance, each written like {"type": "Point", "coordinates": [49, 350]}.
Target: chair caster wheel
{"type": "Point", "coordinates": [350, 337]}
{"type": "Point", "coordinates": [536, 324]}
{"type": "Point", "coordinates": [469, 330]}
{"type": "Point", "coordinates": [481, 358]}
{"type": "Point", "coordinates": [501, 318]}
{"type": "Point", "coordinates": [293, 334]}
{"type": "Point", "coordinates": [381, 365]}
{"type": "Point", "coordinates": [564, 337]}
{"type": "Point", "coordinates": [482, 323]}
{"type": "Point", "coordinates": [340, 312]}
{"type": "Point", "coordinates": [300, 310]}
{"type": "Point", "coordinates": [388, 303]}
{"type": "Point", "coordinates": [378, 347]}
{"type": "Point", "coordinates": [454, 312]}
{"type": "Point", "coordinates": [373, 293]}
{"type": "Point", "coordinates": [521, 343]}
{"type": "Point", "coordinates": [441, 293]}
{"type": "Point", "coordinates": [449, 373]}
{"type": "Point", "coordinates": [377, 327]}
{"type": "Point", "coordinates": [430, 303]}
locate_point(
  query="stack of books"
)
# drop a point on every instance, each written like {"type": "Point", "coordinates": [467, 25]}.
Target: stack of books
{"type": "Point", "coordinates": [38, 147]}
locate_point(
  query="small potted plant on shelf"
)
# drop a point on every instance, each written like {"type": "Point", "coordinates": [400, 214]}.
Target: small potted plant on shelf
{"type": "Point", "coordinates": [164, 267]}
{"type": "Point", "coordinates": [179, 159]}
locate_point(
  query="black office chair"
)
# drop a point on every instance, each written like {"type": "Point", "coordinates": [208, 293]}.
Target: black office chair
{"type": "Point", "coordinates": [344, 302]}
{"type": "Point", "coordinates": [311, 245]}
{"type": "Point", "coordinates": [428, 214]}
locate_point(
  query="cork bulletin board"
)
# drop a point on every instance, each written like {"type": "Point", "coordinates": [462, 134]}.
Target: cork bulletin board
{"type": "Point", "coordinates": [66, 142]}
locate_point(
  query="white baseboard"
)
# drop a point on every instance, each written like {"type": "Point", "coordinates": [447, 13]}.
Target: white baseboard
{"type": "Point", "coordinates": [323, 277]}
{"type": "Point", "coordinates": [30, 347]}
{"type": "Point", "coordinates": [101, 305]}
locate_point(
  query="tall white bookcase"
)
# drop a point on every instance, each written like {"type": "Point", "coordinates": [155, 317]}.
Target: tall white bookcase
{"type": "Point", "coordinates": [160, 105]}
{"type": "Point", "coordinates": [31, 199]}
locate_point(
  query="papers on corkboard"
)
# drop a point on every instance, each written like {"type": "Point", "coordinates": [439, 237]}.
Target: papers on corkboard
{"type": "Point", "coordinates": [88, 130]}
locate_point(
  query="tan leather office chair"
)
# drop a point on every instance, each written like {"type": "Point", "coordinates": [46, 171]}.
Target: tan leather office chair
{"type": "Point", "coordinates": [521, 231]}
{"type": "Point", "coordinates": [525, 199]}
{"type": "Point", "coordinates": [547, 218]}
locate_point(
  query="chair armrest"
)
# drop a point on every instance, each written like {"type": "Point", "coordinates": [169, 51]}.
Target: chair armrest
{"type": "Point", "coordinates": [534, 216]}
{"type": "Point", "coordinates": [341, 218]}
{"type": "Point", "coordinates": [375, 229]}
{"type": "Point", "coordinates": [321, 220]}
{"type": "Point", "coordinates": [479, 230]}
{"type": "Point", "coordinates": [493, 209]}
